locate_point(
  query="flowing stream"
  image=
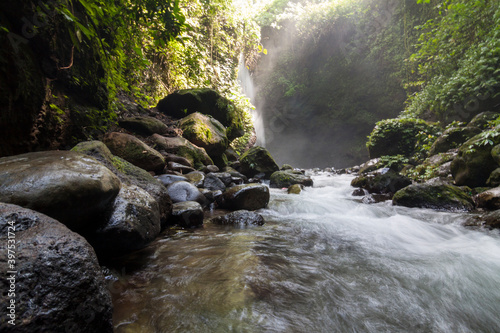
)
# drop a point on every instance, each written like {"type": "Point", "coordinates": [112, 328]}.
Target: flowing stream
{"type": "Point", "coordinates": [323, 262]}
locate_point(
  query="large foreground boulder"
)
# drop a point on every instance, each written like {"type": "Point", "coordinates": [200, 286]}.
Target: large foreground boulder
{"type": "Point", "coordinates": [474, 163]}
{"type": "Point", "coordinates": [59, 286]}
{"type": "Point", "coordinates": [134, 222]}
{"type": "Point", "coordinates": [258, 160]}
{"type": "Point", "coordinates": [247, 196]}
{"type": "Point", "coordinates": [206, 132]}
{"type": "Point", "coordinates": [197, 156]}
{"type": "Point", "coordinates": [287, 178]}
{"type": "Point", "coordinates": [134, 151]}
{"type": "Point", "coordinates": [129, 174]}
{"type": "Point", "coordinates": [434, 196]}
{"type": "Point", "coordinates": [70, 187]}
{"type": "Point", "coordinates": [206, 101]}
{"type": "Point", "coordinates": [144, 125]}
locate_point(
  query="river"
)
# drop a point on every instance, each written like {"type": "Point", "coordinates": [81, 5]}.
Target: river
{"type": "Point", "coordinates": [323, 262]}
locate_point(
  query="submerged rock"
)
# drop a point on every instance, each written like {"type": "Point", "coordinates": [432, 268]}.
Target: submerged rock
{"type": "Point", "coordinates": [280, 179]}
{"type": "Point", "coordinates": [434, 196]}
{"type": "Point", "coordinates": [247, 196]}
{"type": "Point", "coordinates": [70, 187]}
{"type": "Point", "coordinates": [239, 218]}
{"type": "Point", "coordinates": [489, 199]}
{"type": "Point", "coordinates": [134, 151]}
{"type": "Point", "coordinates": [59, 285]}
{"type": "Point", "coordinates": [491, 219]}
{"type": "Point", "coordinates": [134, 223]}
{"type": "Point", "coordinates": [187, 214]}
{"type": "Point", "coordinates": [295, 189]}
{"type": "Point", "coordinates": [257, 160]}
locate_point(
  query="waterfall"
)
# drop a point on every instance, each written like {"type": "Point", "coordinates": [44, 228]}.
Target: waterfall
{"type": "Point", "coordinates": [246, 83]}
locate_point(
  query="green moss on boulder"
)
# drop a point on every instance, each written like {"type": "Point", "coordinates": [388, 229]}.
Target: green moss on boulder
{"type": "Point", "coordinates": [197, 156]}
{"type": "Point", "coordinates": [434, 196]}
{"type": "Point", "coordinates": [257, 160]}
{"type": "Point", "coordinates": [206, 132]}
{"type": "Point", "coordinates": [287, 178]}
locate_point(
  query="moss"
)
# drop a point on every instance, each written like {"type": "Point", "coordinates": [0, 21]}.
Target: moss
{"type": "Point", "coordinates": [257, 160]}
{"type": "Point", "coordinates": [439, 197]}
{"type": "Point", "coordinates": [288, 178]}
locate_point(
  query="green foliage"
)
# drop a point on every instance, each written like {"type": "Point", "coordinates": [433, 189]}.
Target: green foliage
{"type": "Point", "coordinates": [394, 162]}
{"type": "Point", "coordinates": [485, 138]}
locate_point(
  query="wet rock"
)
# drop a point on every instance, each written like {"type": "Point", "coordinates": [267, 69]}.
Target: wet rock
{"type": "Point", "coordinates": [129, 174]}
{"type": "Point", "coordinates": [134, 223]}
{"type": "Point", "coordinates": [197, 156]}
{"type": "Point", "coordinates": [70, 187]}
{"type": "Point", "coordinates": [225, 177]}
{"type": "Point", "coordinates": [211, 168]}
{"type": "Point", "coordinates": [370, 166]}
{"type": "Point", "coordinates": [213, 183]}
{"type": "Point", "coordinates": [359, 192]}
{"type": "Point", "coordinates": [196, 178]}
{"type": "Point", "coordinates": [235, 173]}
{"type": "Point", "coordinates": [179, 167]}
{"type": "Point", "coordinates": [206, 132]}
{"type": "Point", "coordinates": [169, 179]}
{"type": "Point", "coordinates": [236, 181]}
{"type": "Point", "coordinates": [247, 196]}
{"type": "Point", "coordinates": [295, 189]}
{"type": "Point", "coordinates": [280, 179]}
{"type": "Point", "coordinates": [144, 125]}
{"type": "Point", "coordinates": [206, 101]}
{"type": "Point", "coordinates": [491, 219]}
{"type": "Point", "coordinates": [184, 191]}
{"type": "Point", "coordinates": [134, 151]}
{"type": "Point", "coordinates": [257, 160]}
{"type": "Point", "coordinates": [438, 197]}
{"type": "Point", "coordinates": [239, 218]}
{"type": "Point", "coordinates": [187, 214]}
{"type": "Point", "coordinates": [453, 138]}
{"type": "Point", "coordinates": [211, 196]}
{"type": "Point", "coordinates": [383, 181]}
{"type": "Point", "coordinates": [176, 159]}
{"type": "Point", "coordinates": [489, 199]}
{"type": "Point", "coordinates": [59, 284]}
{"type": "Point", "coordinates": [474, 162]}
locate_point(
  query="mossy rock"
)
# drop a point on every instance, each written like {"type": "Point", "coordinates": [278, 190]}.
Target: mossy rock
{"type": "Point", "coordinates": [197, 156]}
{"type": "Point", "coordinates": [257, 160]}
{"type": "Point", "coordinates": [295, 189]}
{"type": "Point", "coordinates": [481, 120]}
{"type": "Point", "coordinates": [453, 138]}
{"type": "Point", "coordinates": [474, 162]}
{"type": "Point", "coordinates": [135, 151]}
{"type": "Point", "coordinates": [383, 181]}
{"type": "Point", "coordinates": [207, 101]}
{"type": "Point", "coordinates": [396, 137]}
{"type": "Point", "coordinates": [287, 178]}
{"type": "Point", "coordinates": [129, 174]}
{"type": "Point", "coordinates": [494, 178]}
{"type": "Point", "coordinates": [206, 132]}
{"type": "Point", "coordinates": [495, 153]}
{"type": "Point", "coordinates": [434, 196]}
{"type": "Point", "coordinates": [144, 125]}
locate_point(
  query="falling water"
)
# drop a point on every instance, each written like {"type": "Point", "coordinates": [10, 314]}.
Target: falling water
{"type": "Point", "coordinates": [245, 79]}
{"type": "Point", "coordinates": [323, 262]}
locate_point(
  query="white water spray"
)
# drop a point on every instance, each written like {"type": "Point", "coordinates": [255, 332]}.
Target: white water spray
{"type": "Point", "coordinates": [246, 84]}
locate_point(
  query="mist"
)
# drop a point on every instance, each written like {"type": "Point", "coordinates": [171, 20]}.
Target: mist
{"type": "Point", "coordinates": [327, 79]}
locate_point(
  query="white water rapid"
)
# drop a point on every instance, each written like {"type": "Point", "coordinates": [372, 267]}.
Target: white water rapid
{"type": "Point", "coordinates": [323, 262]}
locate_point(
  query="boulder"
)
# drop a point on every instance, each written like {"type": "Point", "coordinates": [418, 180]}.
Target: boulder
{"type": "Point", "coordinates": [197, 156]}
{"type": "Point", "coordinates": [452, 138]}
{"type": "Point", "coordinates": [169, 179]}
{"type": "Point", "coordinates": [211, 168]}
{"type": "Point", "coordinates": [135, 151]}
{"type": "Point", "coordinates": [231, 155]}
{"type": "Point", "coordinates": [184, 191]}
{"type": "Point", "coordinates": [489, 199]}
{"type": "Point", "coordinates": [382, 181]}
{"type": "Point", "coordinates": [144, 125]}
{"type": "Point", "coordinates": [235, 173]}
{"type": "Point", "coordinates": [179, 167]}
{"type": "Point", "coordinates": [481, 120]}
{"type": "Point", "coordinates": [187, 214]}
{"type": "Point", "coordinates": [176, 159]}
{"type": "Point", "coordinates": [286, 167]}
{"type": "Point", "coordinates": [247, 196]}
{"type": "Point", "coordinates": [129, 174]}
{"type": "Point", "coordinates": [280, 179]}
{"type": "Point", "coordinates": [213, 183]}
{"type": "Point", "coordinates": [73, 188]}
{"type": "Point", "coordinates": [225, 177]}
{"type": "Point", "coordinates": [134, 222]}
{"type": "Point", "coordinates": [257, 160]}
{"type": "Point", "coordinates": [434, 196]}
{"type": "Point", "coordinates": [239, 218]}
{"type": "Point", "coordinates": [59, 285]}
{"type": "Point", "coordinates": [491, 219]}
{"type": "Point", "coordinates": [494, 179]}
{"type": "Point", "coordinates": [206, 101]}
{"type": "Point", "coordinates": [474, 162]}
{"type": "Point", "coordinates": [206, 132]}
{"type": "Point", "coordinates": [495, 154]}
{"type": "Point", "coordinates": [295, 189]}
{"type": "Point", "coordinates": [196, 178]}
